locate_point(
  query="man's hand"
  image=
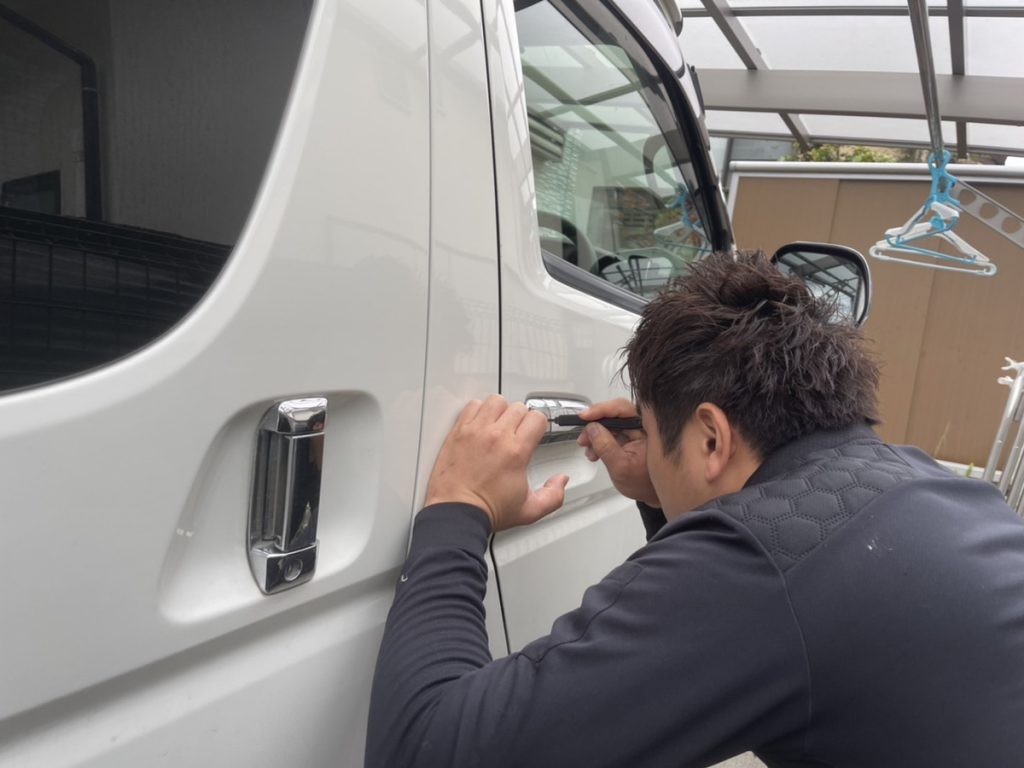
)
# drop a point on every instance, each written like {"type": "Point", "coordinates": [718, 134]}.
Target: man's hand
{"type": "Point", "coordinates": [483, 462]}
{"type": "Point", "coordinates": [624, 452]}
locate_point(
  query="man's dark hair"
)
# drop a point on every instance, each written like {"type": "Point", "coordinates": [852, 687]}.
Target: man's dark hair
{"type": "Point", "coordinates": [737, 332]}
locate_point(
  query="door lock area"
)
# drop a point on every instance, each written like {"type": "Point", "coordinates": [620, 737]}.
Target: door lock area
{"type": "Point", "coordinates": [285, 503]}
{"type": "Point", "coordinates": [553, 406]}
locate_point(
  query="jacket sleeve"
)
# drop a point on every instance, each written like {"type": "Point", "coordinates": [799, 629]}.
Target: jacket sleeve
{"type": "Point", "coordinates": [684, 655]}
{"type": "Point", "coordinates": [653, 519]}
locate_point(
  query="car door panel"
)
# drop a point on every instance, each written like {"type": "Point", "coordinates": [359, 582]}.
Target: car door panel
{"type": "Point", "coordinates": [135, 633]}
{"type": "Point", "coordinates": [391, 264]}
{"type": "Point", "coordinates": [594, 221]}
{"type": "Point", "coordinates": [556, 340]}
{"type": "Point", "coordinates": [464, 323]}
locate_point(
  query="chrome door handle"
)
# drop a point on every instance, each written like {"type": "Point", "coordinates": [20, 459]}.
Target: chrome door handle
{"type": "Point", "coordinates": [286, 494]}
{"type": "Point", "coordinates": [553, 406]}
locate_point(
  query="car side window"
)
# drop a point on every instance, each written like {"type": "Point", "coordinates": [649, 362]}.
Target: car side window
{"type": "Point", "coordinates": [133, 139]}
{"type": "Point", "coordinates": [614, 195]}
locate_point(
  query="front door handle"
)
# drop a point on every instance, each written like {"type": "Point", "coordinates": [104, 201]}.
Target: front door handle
{"type": "Point", "coordinates": [286, 494]}
{"type": "Point", "coordinates": [553, 406]}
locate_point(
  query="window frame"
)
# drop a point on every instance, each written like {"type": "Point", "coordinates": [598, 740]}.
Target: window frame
{"type": "Point", "coordinates": [97, 281]}
{"type": "Point", "coordinates": [604, 24]}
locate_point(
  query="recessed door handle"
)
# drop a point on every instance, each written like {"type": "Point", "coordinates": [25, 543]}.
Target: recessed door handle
{"type": "Point", "coordinates": [286, 494]}
{"type": "Point", "coordinates": [555, 407]}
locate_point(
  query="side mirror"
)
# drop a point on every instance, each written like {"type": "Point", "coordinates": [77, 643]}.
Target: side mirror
{"type": "Point", "coordinates": [833, 271]}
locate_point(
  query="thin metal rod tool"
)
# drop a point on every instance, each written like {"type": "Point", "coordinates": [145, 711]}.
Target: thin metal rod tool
{"type": "Point", "coordinates": [574, 420]}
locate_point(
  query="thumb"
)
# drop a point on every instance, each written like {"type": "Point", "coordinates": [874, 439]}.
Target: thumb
{"type": "Point", "coordinates": [602, 442]}
{"type": "Point", "coordinates": [546, 499]}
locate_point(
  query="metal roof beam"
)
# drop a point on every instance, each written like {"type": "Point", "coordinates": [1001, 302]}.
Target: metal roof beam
{"type": "Point", "coordinates": [957, 58]}
{"type": "Point", "coordinates": [956, 35]}
{"type": "Point", "coordinates": [926, 68]}
{"type": "Point", "coordinates": [978, 11]}
{"type": "Point", "coordinates": [749, 54]}
{"type": "Point", "coordinates": [970, 98]}
{"type": "Point", "coordinates": [797, 129]}
{"type": "Point", "coordinates": [725, 18]}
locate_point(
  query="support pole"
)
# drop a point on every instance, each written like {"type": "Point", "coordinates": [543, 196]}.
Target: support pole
{"type": "Point", "coordinates": [926, 66]}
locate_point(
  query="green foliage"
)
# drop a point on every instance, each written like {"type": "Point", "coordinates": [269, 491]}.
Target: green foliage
{"type": "Point", "coordinates": [846, 153]}
{"type": "Point", "coordinates": [853, 153]}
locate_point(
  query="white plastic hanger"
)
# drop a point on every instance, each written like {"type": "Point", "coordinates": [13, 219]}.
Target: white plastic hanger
{"type": "Point", "coordinates": [937, 218]}
{"type": "Point", "coordinates": [949, 196]}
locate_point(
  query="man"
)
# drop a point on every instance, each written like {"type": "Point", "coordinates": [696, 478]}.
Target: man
{"type": "Point", "coordinates": [808, 591]}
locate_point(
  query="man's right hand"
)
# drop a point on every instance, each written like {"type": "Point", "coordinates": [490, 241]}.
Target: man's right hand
{"type": "Point", "coordinates": [484, 459]}
{"type": "Point", "coordinates": [623, 452]}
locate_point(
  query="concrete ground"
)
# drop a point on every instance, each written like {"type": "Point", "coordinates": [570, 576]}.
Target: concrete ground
{"type": "Point", "coordinates": [741, 761]}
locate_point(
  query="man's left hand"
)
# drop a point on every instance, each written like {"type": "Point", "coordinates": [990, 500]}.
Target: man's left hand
{"type": "Point", "coordinates": [483, 462]}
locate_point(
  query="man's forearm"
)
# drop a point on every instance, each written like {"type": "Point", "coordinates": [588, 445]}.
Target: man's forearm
{"type": "Point", "coordinates": [435, 631]}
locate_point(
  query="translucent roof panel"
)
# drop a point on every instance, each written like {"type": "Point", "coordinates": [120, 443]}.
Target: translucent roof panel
{"type": "Point", "coordinates": [824, 3]}
{"type": "Point", "coordinates": [993, 45]}
{"type": "Point", "coordinates": [697, 5]}
{"type": "Point", "coordinates": [1007, 137]}
{"type": "Point", "coordinates": [870, 36]}
{"type": "Point", "coordinates": [847, 43]}
{"type": "Point", "coordinates": [704, 45]}
{"type": "Point", "coordinates": [884, 130]}
{"type": "Point", "coordinates": [753, 123]}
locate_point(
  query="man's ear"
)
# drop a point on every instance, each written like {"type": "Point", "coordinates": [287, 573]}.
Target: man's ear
{"type": "Point", "coordinates": [717, 440]}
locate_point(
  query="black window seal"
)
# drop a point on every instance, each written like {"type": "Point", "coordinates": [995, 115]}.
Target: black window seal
{"type": "Point", "coordinates": [598, 287]}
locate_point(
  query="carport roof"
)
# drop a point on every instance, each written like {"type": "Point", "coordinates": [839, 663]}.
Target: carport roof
{"type": "Point", "coordinates": [846, 71]}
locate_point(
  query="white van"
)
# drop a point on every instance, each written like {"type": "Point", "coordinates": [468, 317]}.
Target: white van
{"type": "Point", "coordinates": [254, 257]}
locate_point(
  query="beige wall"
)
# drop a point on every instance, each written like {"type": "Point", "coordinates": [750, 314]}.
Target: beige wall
{"type": "Point", "coordinates": [941, 336]}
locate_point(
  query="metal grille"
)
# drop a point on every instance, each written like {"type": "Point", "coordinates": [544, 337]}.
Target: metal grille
{"type": "Point", "coordinates": [75, 294]}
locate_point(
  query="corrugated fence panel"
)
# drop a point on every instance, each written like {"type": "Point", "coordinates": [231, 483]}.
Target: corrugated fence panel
{"type": "Point", "coordinates": [941, 337]}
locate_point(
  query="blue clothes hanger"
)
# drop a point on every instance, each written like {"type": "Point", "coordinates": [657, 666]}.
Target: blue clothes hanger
{"type": "Point", "coordinates": [950, 197]}
{"type": "Point", "coordinates": [936, 218]}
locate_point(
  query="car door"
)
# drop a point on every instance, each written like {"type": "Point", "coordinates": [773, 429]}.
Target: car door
{"type": "Point", "coordinates": [463, 324]}
{"type": "Point", "coordinates": [605, 192]}
{"type": "Point", "coordinates": [256, 231]}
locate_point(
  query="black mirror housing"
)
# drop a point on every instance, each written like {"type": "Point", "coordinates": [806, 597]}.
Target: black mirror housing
{"type": "Point", "coordinates": [832, 271]}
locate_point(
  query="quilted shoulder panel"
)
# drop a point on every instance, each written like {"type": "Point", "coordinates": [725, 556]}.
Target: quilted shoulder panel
{"type": "Point", "coordinates": [793, 513]}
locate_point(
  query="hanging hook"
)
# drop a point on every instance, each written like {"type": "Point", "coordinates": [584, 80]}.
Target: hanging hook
{"type": "Point", "coordinates": [936, 218]}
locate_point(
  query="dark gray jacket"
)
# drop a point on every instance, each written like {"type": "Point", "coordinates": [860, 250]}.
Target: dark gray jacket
{"type": "Point", "coordinates": [854, 605]}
